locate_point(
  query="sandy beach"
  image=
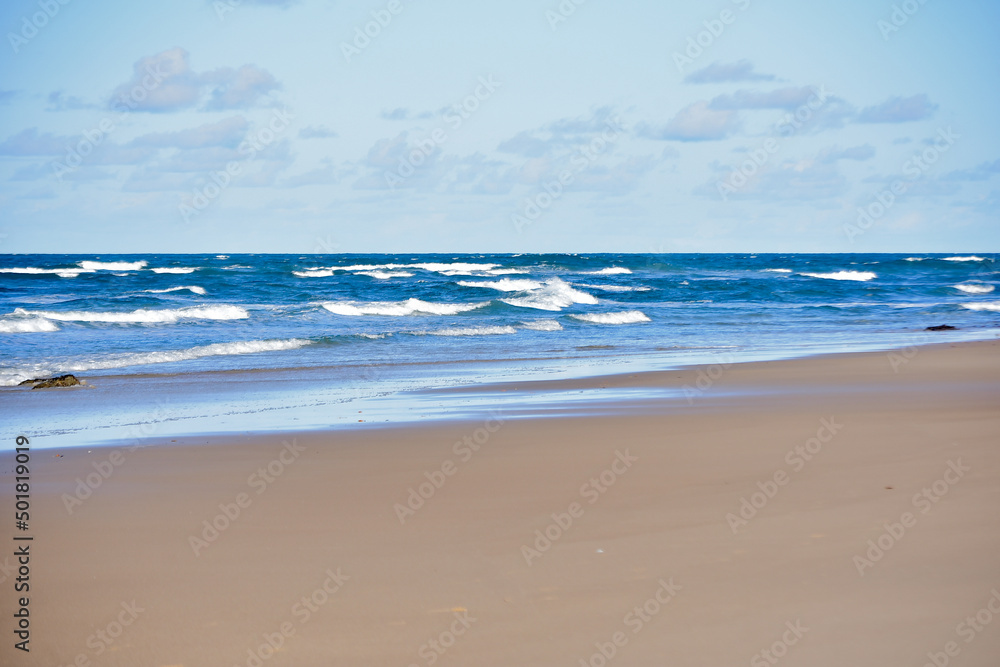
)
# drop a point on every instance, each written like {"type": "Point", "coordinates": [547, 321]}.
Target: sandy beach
{"type": "Point", "coordinates": [825, 511]}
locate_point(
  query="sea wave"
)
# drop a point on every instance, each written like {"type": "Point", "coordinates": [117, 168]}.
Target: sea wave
{"type": "Point", "coordinates": [542, 325]}
{"type": "Point", "coordinates": [505, 284]}
{"type": "Point", "coordinates": [313, 273]}
{"type": "Point", "coordinates": [474, 331]}
{"type": "Point", "coordinates": [554, 294]}
{"type": "Point", "coordinates": [142, 316]}
{"type": "Point", "coordinates": [993, 306]}
{"type": "Point", "coordinates": [174, 269]}
{"type": "Point", "coordinates": [970, 288]}
{"type": "Point", "coordinates": [27, 325]}
{"type": "Point", "coordinates": [777, 270]}
{"type": "Point", "coordinates": [969, 258]}
{"type": "Point", "coordinates": [12, 376]}
{"type": "Point", "coordinates": [610, 271]}
{"type": "Point", "coordinates": [190, 288]}
{"type": "Point", "coordinates": [503, 272]}
{"type": "Point", "coordinates": [384, 275]}
{"type": "Point", "coordinates": [398, 308]}
{"type": "Point", "coordinates": [860, 276]}
{"type": "Point", "coordinates": [624, 317]}
{"type": "Point", "coordinates": [112, 266]}
{"type": "Point", "coordinates": [33, 270]}
{"type": "Point", "coordinates": [617, 288]}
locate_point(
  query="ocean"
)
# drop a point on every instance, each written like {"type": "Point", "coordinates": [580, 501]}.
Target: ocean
{"type": "Point", "coordinates": [175, 314]}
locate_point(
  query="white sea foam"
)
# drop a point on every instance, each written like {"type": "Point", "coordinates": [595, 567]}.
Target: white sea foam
{"type": "Point", "coordinates": [384, 275]}
{"type": "Point", "coordinates": [12, 376]}
{"type": "Point", "coordinates": [399, 308]}
{"type": "Point", "coordinates": [916, 259]}
{"type": "Point", "coordinates": [624, 317]}
{"type": "Point", "coordinates": [313, 273]}
{"type": "Point", "coordinates": [970, 258]}
{"type": "Point", "coordinates": [778, 270]}
{"type": "Point", "coordinates": [993, 306]}
{"type": "Point", "coordinates": [62, 273]}
{"type": "Point", "coordinates": [112, 266]}
{"type": "Point", "coordinates": [504, 272]}
{"type": "Point", "coordinates": [542, 325]}
{"type": "Point", "coordinates": [142, 316]}
{"type": "Point", "coordinates": [975, 288]}
{"type": "Point", "coordinates": [190, 288]}
{"type": "Point", "coordinates": [27, 325]}
{"type": "Point", "coordinates": [860, 276]}
{"type": "Point", "coordinates": [174, 269]}
{"type": "Point", "coordinates": [555, 294]}
{"type": "Point", "coordinates": [474, 331]}
{"type": "Point", "coordinates": [610, 271]}
{"type": "Point", "coordinates": [505, 284]}
{"type": "Point", "coordinates": [453, 268]}
{"type": "Point", "coordinates": [617, 288]}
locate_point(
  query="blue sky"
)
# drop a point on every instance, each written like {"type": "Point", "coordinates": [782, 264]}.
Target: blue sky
{"type": "Point", "coordinates": [522, 126]}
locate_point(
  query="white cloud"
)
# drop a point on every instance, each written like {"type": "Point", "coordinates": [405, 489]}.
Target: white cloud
{"type": "Point", "coordinates": [899, 110]}
{"type": "Point", "coordinates": [695, 122]}
{"type": "Point", "coordinates": [165, 82]}
{"type": "Point", "coordinates": [719, 72]}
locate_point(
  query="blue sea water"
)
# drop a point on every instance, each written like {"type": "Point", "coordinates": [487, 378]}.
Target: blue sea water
{"type": "Point", "coordinates": [175, 314]}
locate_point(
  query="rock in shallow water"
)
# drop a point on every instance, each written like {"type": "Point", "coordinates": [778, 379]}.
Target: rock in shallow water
{"type": "Point", "coordinates": [941, 327]}
{"type": "Point", "coordinates": [46, 383]}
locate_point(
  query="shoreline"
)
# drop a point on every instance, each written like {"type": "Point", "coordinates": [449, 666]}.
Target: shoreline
{"type": "Point", "coordinates": [171, 407]}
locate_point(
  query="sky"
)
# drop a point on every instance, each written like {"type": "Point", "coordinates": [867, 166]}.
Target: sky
{"type": "Point", "coordinates": [330, 126]}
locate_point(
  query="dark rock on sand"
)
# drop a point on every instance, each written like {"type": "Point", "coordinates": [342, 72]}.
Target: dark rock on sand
{"type": "Point", "coordinates": [941, 327]}
{"type": "Point", "coordinates": [46, 383]}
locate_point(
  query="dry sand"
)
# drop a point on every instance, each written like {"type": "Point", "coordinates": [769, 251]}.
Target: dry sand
{"type": "Point", "coordinates": [452, 584]}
